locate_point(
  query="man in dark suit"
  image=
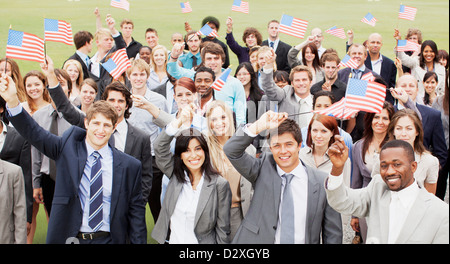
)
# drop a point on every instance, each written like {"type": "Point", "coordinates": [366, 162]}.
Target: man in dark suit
{"type": "Point", "coordinates": [127, 138]}
{"type": "Point", "coordinates": [87, 205]}
{"type": "Point", "coordinates": [83, 43]}
{"type": "Point", "coordinates": [433, 131]}
{"type": "Point", "coordinates": [281, 48]}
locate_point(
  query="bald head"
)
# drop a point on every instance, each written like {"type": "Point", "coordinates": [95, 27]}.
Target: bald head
{"type": "Point", "coordinates": [317, 33]}
{"type": "Point", "coordinates": [374, 44]}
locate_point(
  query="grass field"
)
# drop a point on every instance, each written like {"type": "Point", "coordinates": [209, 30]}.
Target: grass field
{"type": "Point", "coordinates": [27, 15]}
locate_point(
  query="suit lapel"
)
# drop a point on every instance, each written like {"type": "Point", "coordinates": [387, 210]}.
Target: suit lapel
{"type": "Point", "coordinates": [384, 202]}
{"type": "Point", "coordinates": [117, 181]}
{"type": "Point", "coordinates": [82, 154]}
{"type": "Point", "coordinates": [415, 215]}
{"type": "Point", "coordinates": [129, 141]}
{"type": "Point", "coordinates": [1, 174]}
{"type": "Point", "coordinates": [311, 207]}
{"type": "Point", "coordinates": [205, 195]}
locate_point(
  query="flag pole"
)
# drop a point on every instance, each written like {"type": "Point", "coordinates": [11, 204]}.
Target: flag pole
{"type": "Point", "coordinates": [45, 46]}
{"type": "Point", "coordinates": [345, 102]}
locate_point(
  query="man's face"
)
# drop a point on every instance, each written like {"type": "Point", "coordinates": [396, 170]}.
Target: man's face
{"type": "Point", "coordinates": [203, 81]}
{"type": "Point", "coordinates": [151, 38]}
{"type": "Point", "coordinates": [176, 38]}
{"type": "Point", "coordinates": [273, 30]}
{"type": "Point", "coordinates": [138, 78]}
{"type": "Point", "coordinates": [145, 54]}
{"type": "Point", "coordinates": [193, 43]}
{"type": "Point", "coordinates": [396, 169]}
{"type": "Point", "coordinates": [301, 84]}
{"type": "Point", "coordinates": [330, 70]}
{"type": "Point", "coordinates": [358, 54]}
{"type": "Point", "coordinates": [98, 131]}
{"type": "Point", "coordinates": [89, 46]}
{"type": "Point", "coordinates": [374, 44]}
{"type": "Point", "coordinates": [318, 37]}
{"type": "Point", "coordinates": [285, 151]}
{"type": "Point", "coordinates": [251, 40]}
{"type": "Point", "coordinates": [117, 100]}
{"type": "Point", "coordinates": [214, 62]}
{"type": "Point", "coordinates": [127, 30]}
{"type": "Point", "coordinates": [409, 84]}
{"type": "Point", "coordinates": [105, 42]}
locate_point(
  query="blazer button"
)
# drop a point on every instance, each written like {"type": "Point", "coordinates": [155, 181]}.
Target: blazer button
{"type": "Point", "coordinates": [274, 227]}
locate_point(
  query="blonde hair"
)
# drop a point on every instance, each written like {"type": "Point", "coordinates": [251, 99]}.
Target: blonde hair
{"type": "Point", "coordinates": [140, 64]}
{"type": "Point", "coordinates": [80, 70]}
{"type": "Point", "coordinates": [159, 47]}
{"type": "Point", "coordinates": [264, 49]}
{"type": "Point", "coordinates": [102, 32]}
{"type": "Point", "coordinates": [215, 148]}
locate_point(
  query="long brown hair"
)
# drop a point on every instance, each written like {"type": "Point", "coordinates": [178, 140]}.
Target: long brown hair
{"type": "Point", "coordinates": [17, 78]}
{"type": "Point", "coordinates": [45, 94]}
{"type": "Point", "coordinates": [329, 122]}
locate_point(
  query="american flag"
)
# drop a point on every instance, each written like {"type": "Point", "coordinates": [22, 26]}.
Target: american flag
{"type": "Point", "coordinates": [293, 26]}
{"type": "Point", "coordinates": [369, 19]}
{"type": "Point", "coordinates": [348, 62]}
{"type": "Point", "coordinates": [58, 30]}
{"type": "Point", "coordinates": [407, 12]}
{"type": "Point", "coordinates": [118, 63]}
{"type": "Point", "coordinates": [220, 82]}
{"type": "Point", "coordinates": [338, 110]}
{"type": "Point", "coordinates": [365, 95]}
{"type": "Point", "coordinates": [240, 6]}
{"type": "Point", "coordinates": [337, 32]}
{"type": "Point", "coordinates": [406, 45]}
{"type": "Point", "coordinates": [368, 77]}
{"type": "Point", "coordinates": [122, 4]}
{"type": "Point", "coordinates": [207, 31]}
{"type": "Point", "coordinates": [186, 7]}
{"type": "Point", "coordinates": [25, 46]}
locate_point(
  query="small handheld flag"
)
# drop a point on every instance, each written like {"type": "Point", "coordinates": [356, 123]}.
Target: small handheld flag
{"type": "Point", "coordinates": [240, 6]}
{"type": "Point", "coordinates": [406, 45]}
{"type": "Point", "coordinates": [338, 110]}
{"type": "Point", "coordinates": [365, 95]}
{"type": "Point", "coordinates": [337, 32]}
{"type": "Point", "coordinates": [293, 26]}
{"type": "Point", "coordinates": [407, 12]}
{"type": "Point", "coordinates": [185, 7]}
{"type": "Point", "coordinates": [207, 31]}
{"type": "Point", "coordinates": [348, 62]}
{"type": "Point", "coordinates": [118, 63]}
{"type": "Point", "coordinates": [57, 30]}
{"type": "Point", "coordinates": [122, 4]}
{"type": "Point", "coordinates": [25, 46]}
{"type": "Point", "coordinates": [369, 19]}
{"type": "Point", "coordinates": [220, 82]}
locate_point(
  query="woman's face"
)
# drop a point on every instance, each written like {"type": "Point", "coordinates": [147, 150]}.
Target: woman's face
{"type": "Point", "coordinates": [8, 68]}
{"type": "Point", "coordinates": [320, 135]}
{"type": "Point", "coordinates": [405, 130]}
{"type": "Point", "coordinates": [254, 58]}
{"type": "Point", "coordinates": [87, 94]}
{"type": "Point", "coordinates": [430, 85]}
{"type": "Point", "coordinates": [322, 102]}
{"type": "Point", "coordinates": [159, 57]}
{"type": "Point", "coordinates": [428, 54]}
{"type": "Point", "coordinates": [309, 56]}
{"type": "Point", "coordinates": [244, 76]}
{"type": "Point", "coordinates": [35, 87]}
{"type": "Point", "coordinates": [73, 72]}
{"type": "Point", "coordinates": [194, 156]}
{"type": "Point", "coordinates": [183, 96]}
{"type": "Point", "coordinates": [380, 122]}
{"type": "Point", "coordinates": [219, 122]}
{"type": "Point", "coordinates": [414, 38]}
{"type": "Point", "coordinates": [145, 54]}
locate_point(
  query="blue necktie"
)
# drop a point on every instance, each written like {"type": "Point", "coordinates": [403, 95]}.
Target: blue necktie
{"type": "Point", "coordinates": [96, 194]}
{"type": "Point", "coordinates": [287, 234]}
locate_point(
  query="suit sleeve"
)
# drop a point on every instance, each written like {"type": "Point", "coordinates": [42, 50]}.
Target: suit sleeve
{"type": "Point", "coordinates": [136, 211]}
{"type": "Point", "coordinates": [163, 157]}
{"type": "Point", "coordinates": [147, 168]}
{"type": "Point", "coordinates": [20, 212]}
{"type": "Point", "coordinates": [223, 215]}
{"type": "Point", "coordinates": [63, 105]}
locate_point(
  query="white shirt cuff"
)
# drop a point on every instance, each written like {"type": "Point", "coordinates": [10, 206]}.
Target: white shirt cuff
{"type": "Point", "coordinates": [247, 131]}
{"type": "Point", "coordinates": [15, 110]}
{"type": "Point", "coordinates": [334, 182]}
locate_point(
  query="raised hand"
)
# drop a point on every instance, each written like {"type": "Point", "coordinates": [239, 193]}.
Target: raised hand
{"type": "Point", "coordinates": [8, 90]}
{"type": "Point", "coordinates": [268, 120]}
{"type": "Point", "coordinates": [177, 50]}
{"type": "Point", "coordinates": [338, 154]}
{"type": "Point", "coordinates": [270, 59]}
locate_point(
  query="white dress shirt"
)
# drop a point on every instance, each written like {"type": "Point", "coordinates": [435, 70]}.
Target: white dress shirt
{"type": "Point", "coordinates": [120, 135]}
{"type": "Point", "coordinates": [376, 65]}
{"type": "Point", "coordinates": [182, 221]}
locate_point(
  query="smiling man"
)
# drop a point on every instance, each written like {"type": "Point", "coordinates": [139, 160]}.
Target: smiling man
{"type": "Point", "coordinates": [87, 207]}
{"type": "Point", "coordinates": [289, 203]}
{"type": "Point", "coordinates": [397, 209]}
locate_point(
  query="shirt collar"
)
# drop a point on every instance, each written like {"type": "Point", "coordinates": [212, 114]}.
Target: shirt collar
{"type": "Point", "coordinates": [5, 129]}
{"type": "Point", "coordinates": [308, 99]}
{"type": "Point", "coordinates": [122, 127]}
{"type": "Point", "coordinates": [407, 195]}
{"type": "Point", "coordinates": [299, 171]}
{"type": "Point", "coordinates": [104, 152]}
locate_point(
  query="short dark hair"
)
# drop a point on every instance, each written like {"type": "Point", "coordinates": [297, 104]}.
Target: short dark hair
{"type": "Point", "coordinates": [211, 19]}
{"type": "Point", "coordinates": [104, 108]}
{"type": "Point", "coordinates": [204, 69]}
{"type": "Point", "coordinates": [81, 38]}
{"type": "Point", "coordinates": [400, 144]}
{"type": "Point", "coordinates": [121, 88]}
{"type": "Point", "coordinates": [287, 126]}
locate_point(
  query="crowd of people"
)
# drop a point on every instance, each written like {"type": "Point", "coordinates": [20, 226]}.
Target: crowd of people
{"type": "Point", "coordinates": [248, 163]}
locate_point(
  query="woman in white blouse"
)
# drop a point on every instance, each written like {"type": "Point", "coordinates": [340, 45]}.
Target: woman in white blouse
{"type": "Point", "coordinates": [158, 67]}
{"type": "Point", "coordinates": [196, 207]}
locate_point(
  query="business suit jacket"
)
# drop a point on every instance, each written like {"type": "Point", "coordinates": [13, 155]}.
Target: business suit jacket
{"type": "Point", "coordinates": [426, 223]}
{"type": "Point", "coordinates": [127, 216]}
{"type": "Point", "coordinates": [18, 151]}
{"type": "Point", "coordinates": [212, 218]}
{"type": "Point", "coordinates": [75, 56]}
{"type": "Point", "coordinates": [388, 72]}
{"type": "Point", "coordinates": [13, 214]}
{"type": "Point", "coordinates": [260, 223]}
{"type": "Point", "coordinates": [433, 132]}
{"type": "Point", "coordinates": [282, 52]}
{"type": "Point", "coordinates": [137, 143]}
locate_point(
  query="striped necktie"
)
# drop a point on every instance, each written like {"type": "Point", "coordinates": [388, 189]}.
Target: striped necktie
{"type": "Point", "coordinates": [96, 194]}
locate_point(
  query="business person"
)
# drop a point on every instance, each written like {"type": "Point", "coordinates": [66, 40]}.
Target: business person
{"type": "Point", "coordinates": [397, 209]}
{"type": "Point", "coordinates": [196, 206]}
{"type": "Point", "coordinates": [85, 206]}
{"type": "Point", "coordinates": [274, 207]}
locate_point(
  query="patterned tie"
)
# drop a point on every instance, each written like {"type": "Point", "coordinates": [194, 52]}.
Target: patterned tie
{"type": "Point", "coordinates": [271, 44]}
{"type": "Point", "coordinates": [287, 213]}
{"type": "Point", "coordinates": [96, 194]}
{"type": "Point", "coordinates": [194, 61]}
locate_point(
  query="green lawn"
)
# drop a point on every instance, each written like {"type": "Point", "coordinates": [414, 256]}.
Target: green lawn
{"type": "Point", "coordinates": [27, 15]}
